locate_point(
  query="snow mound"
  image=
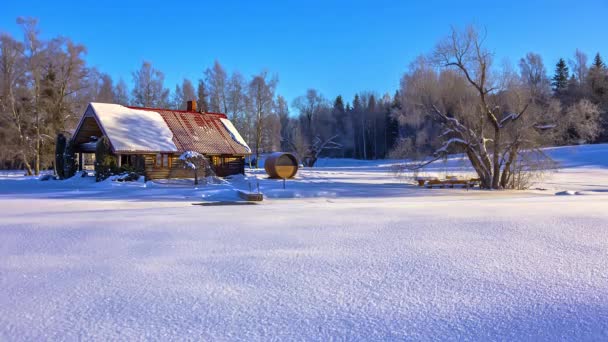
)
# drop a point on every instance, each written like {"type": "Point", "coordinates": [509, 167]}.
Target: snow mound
{"type": "Point", "coordinates": [572, 193]}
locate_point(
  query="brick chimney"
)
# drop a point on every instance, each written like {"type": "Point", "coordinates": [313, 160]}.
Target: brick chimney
{"type": "Point", "coordinates": [191, 106]}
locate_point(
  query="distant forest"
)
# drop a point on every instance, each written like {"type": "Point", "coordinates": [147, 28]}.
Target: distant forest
{"type": "Point", "coordinates": [45, 86]}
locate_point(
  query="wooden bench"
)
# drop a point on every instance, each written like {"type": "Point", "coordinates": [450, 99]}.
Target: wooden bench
{"type": "Point", "coordinates": [450, 183]}
{"type": "Point", "coordinates": [435, 182]}
{"type": "Point", "coordinates": [250, 196]}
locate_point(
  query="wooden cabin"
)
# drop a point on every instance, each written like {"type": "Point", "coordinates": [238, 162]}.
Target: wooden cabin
{"type": "Point", "coordinates": [152, 139]}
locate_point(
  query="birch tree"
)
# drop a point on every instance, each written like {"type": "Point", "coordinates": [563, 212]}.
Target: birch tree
{"type": "Point", "coordinates": [148, 87]}
{"type": "Point", "coordinates": [236, 102]}
{"type": "Point", "coordinates": [106, 90]}
{"type": "Point", "coordinates": [261, 95]}
{"type": "Point", "coordinates": [216, 79]}
{"type": "Point", "coordinates": [188, 90]}
{"type": "Point", "coordinates": [202, 96]}
{"type": "Point", "coordinates": [121, 93]}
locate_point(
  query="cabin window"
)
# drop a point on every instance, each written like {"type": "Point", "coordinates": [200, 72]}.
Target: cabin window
{"type": "Point", "coordinates": [162, 160]}
{"type": "Point", "coordinates": [228, 160]}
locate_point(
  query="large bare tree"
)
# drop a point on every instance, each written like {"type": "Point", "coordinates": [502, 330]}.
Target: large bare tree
{"type": "Point", "coordinates": [14, 112]}
{"type": "Point", "coordinates": [488, 114]}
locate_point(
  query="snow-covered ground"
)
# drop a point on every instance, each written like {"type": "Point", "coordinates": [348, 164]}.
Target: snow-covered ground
{"type": "Point", "coordinates": [348, 251]}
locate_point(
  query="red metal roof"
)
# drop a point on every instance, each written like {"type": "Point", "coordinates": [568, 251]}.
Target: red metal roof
{"type": "Point", "coordinates": [200, 132]}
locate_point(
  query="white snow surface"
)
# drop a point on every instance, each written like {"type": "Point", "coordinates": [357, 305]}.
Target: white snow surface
{"type": "Point", "coordinates": [348, 251]}
{"type": "Point", "coordinates": [234, 133]}
{"type": "Point", "coordinates": [131, 130]}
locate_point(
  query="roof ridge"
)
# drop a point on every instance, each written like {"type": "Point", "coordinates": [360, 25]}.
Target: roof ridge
{"type": "Point", "coordinates": [175, 110]}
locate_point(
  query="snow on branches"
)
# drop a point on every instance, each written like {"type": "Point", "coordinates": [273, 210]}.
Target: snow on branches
{"type": "Point", "coordinates": [189, 158]}
{"type": "Point", "coordinates": [194, 161]}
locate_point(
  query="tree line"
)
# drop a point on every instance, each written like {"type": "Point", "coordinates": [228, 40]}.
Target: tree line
{"type": "Point", "coordinates": [45, 86]}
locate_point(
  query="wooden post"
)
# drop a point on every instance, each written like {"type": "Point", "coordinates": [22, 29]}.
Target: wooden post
{"type": "Point", "coordinates": [118, 156]}
{"type": "Point", "coordinates": [80, 161]}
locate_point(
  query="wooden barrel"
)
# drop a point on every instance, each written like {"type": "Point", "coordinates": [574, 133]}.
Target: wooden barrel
{"type": "Point", "coordinates": [281, 165]}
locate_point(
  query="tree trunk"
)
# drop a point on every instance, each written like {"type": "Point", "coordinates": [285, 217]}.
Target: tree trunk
{"type": "Point", "coordinates": [364, 142]}
{"type": "Point", "coordinates": [506, 172]}
{"type": "Point", "coordinates": [195, 176]}
{"type": "Point", "coordinates": [28, 167]}
{"type": "Point", "coordinates": [38, 145]}
{"type": "Point", "coordinates": [484, 177]}
{"type": "Point", "coordinates": [495, 159]}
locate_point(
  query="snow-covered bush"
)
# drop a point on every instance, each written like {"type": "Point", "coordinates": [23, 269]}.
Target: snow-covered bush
{"type": "Point", "coordinates": [127, 177]}
{"type": "Point", "coordinates": [194, 161]}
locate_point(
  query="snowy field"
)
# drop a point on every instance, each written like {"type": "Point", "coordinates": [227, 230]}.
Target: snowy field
{"type": "Point", "coordinates": [348, 251]}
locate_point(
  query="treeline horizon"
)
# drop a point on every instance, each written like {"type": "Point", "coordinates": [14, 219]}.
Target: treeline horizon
{"type": "Point", "coordinates": [46, 84]}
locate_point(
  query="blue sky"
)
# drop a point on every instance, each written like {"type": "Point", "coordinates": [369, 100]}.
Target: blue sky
{"type": "Point", "coordinates": [338, 47]}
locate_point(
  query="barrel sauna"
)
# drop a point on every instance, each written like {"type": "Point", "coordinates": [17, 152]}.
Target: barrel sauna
{"type": "Point", "coordinates": [281, 165]}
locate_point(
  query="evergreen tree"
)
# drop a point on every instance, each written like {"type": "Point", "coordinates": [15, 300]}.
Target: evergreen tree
{"type": "Point", "coordinates": [69, 161]}
{"type": "Point", "coordinates": [342, 124]}
{"type": "Point", "coordinates": [392, 124]}
{"type": "Point", "coordinates": [339, 113]}
{"type": "Point", "coordinates": [339, 105]}
{"type": "Point", "coordinates": [60, 144]}
{"type": "Point", "coordinates": [598, 63]}
{"type": "Point", "coordinates": [357, 107]}
{"type": "Point", "coordinates": [598, 80]}
{"type": "Point", "coordinates": [560, 79]}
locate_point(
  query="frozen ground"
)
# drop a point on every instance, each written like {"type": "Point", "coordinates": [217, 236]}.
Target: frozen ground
{"type": "Point", "coordinates": [346, 252]}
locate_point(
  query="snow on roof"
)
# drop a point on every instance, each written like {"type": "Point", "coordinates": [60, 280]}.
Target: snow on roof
{"type": "Point", "coordinates": [134, 130]}
{"type": "Point", "coordinates": [234, 133]}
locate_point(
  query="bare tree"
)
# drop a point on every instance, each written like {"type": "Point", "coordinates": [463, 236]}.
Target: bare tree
{"type": "Point", "coordinates": [261, 94]}
{"type": "Point", "coordinates": [188, 90]}
{"type": "Point", "coordinates": [534, 74]}
{"type": "Point", "coordinates": [178, 98]}
{"type": "Point", "coordinates": [317, 146]}
{"type": "Point", "coordinates": [148, 88]}
{"type": "Point", "coordinates": [106, 90]}
{"type": "Point", "coordinates": [489, 116]}
{"type": "Point", "coordinates": [12, 110]}
{"type": "Point", "coordinates": [34, 60]}
{"type": "Point", "coordinates": [202, 96]}
{"type": "Point", "coordinates": [216, 79]}
{"type": "Point", "coordinates": [121, 93]}
{"type": "Point", "coordinates": [579, 66]}
{"type": "Point", "coordinates": [282, 110]}
{"type": "Point", "coordinates": [182, 94]}
{"type": "Point", "coordinates": [236, 102]}
{"type": "Point", "coordinates": [309, 106]}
